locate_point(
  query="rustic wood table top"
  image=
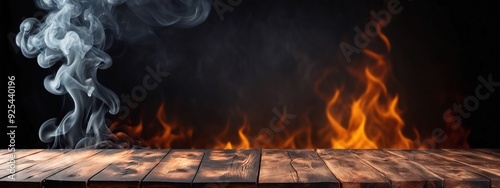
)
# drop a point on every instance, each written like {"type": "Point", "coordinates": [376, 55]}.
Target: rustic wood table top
{"type": "Point", "coordinates": [250, 168]}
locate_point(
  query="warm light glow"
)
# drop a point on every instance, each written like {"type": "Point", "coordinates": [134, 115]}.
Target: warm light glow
{"type": "Point", "coordinates": [372, 119]}
{"type": "Point", "coordinates": [167, 137]}
{"type": "Point", "coordinates": [366, 118]}
{"type": "Point", "coordinates": [244, 143]}
{"type": "Point", "coordinates": [375, 120]}
{"type": "Point", "coordinates": [164, 138]}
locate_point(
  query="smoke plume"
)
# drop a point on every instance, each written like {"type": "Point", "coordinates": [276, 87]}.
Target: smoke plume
{"type": "Point", "coordinates": [72, 38]}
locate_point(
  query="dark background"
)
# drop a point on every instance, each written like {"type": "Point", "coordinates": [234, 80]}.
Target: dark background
{"type": "Point", "coordinates": [259, 57]}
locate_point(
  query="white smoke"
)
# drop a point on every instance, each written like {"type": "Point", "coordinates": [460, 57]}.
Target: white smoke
{"type": "Point", "coordinates": [73, 36]}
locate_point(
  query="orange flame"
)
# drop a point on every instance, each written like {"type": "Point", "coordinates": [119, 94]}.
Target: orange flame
{"type": "Point", "coordinates": [244, 142]}
{"type": "Point", "coordinates": [366, 119]}
{"type": "Point", "coordinates": [375, 120]}
{"type": "Point", "coordinates": [164, 138]}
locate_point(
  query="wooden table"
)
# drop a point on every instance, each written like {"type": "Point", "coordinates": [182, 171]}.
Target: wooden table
{"type": "Point", "coordinates": [252, 168]}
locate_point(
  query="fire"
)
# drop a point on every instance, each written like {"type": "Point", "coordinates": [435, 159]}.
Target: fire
{"type": "Point", "coordinates": [371, 120]}
{"type": "Point", "coordinates": [169, 133]}
{"type": "Point", "coordinates": [244, 142]}
{"type": "Point", "coordinates": [375, 120]}
{"type": "Point", "coordinates": [366, 118]}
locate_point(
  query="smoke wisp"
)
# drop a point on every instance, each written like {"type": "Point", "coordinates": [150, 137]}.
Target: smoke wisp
{"type": "Point", "coordinates": [72, 38]}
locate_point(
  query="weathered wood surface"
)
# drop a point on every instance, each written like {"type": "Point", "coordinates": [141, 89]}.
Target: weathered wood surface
{"type": "Point", "coordinates": [28, 161]}
{"type": "Point", "coordinates": [252, 168]}
{"type": "Point", "coordinates": [177, 169]}
{"type": "Point", "coordinates": [351, 171]}
{"type": "Point", "coordinates": [452, 173]}
{"type": "Point", "coordinates": [228, 168]}
{"type": "Point", "coordinates": [490, 151]}
{"type": "Point", "coordinates": [18, 154]}
{"type": "Point", "coordinates": [400, 171]}
{"type": "Point", "coordinates": [479, 165]}
{"type": "Point", "coordinates": [4, 151]}
{"type": "Point", "coordinates": [275, 167]}
{"type": "Point", "coordinates": [129, 170]}
{"type": "Point", "coordinates": [79, 174]}
{"type": "Point", "coordinates": [484, 155]}
{"type": "Point", "coordinates": [287, 168]}
{"type": "Point", "coordinates": [34, 176]}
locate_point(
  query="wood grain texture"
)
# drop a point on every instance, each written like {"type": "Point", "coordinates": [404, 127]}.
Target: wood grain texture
{"type": "Point", "coordinates": [177, 169]}
{"type": "Point", "coordinates": [4, 151]}
{"type": "Point", "coordinates": [452, 173]}
{"type": "Point", "coordinates": [129, 170]}
{"type": "Point", "coordinates": [472, 159]}
{"type": "Point", "coordinates": [228, 168]}
{"type": "Point", "coordinates": [490, 151]}
{"type": "Point", "coordinates": [30, 160]}
{"type": "Point", "coordinates": [311, 169]}
{"type": "Point", "coordinates": [35, 175]}
{"type": "Point", "coordinates": [78, 175]}
{"type": "Point", "coordinates": [254, 168]}
{"type": "Point", "coordinates": [400, 171]}
{"type": "Point", "coordinates": [276, 168]}
{"type": "Point", "coordinates": [293, 168]}
{"type": "Point", "coordinates": [479, 165]}
{"type": "Point", "coordinates": [351, 171]}
{"type": "Point", "coordinates": [485, 155]}
{"type": "Point", "coordinates": [18, 154]}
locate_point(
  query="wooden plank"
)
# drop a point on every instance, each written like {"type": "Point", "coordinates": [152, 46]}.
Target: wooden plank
{"type": "Point", "coordinates": [35, 175]}
{"type": "Point", "coordinates": [4, 151]}
{"type": "Point", "coordinates": [491, 151]}
{"type": "Point", "coordinates": [129, 170]}
{"type": "Point", "coordinates": [18, 154]}
{"type": "Point", "coordinates": [350, 171]}
{"type": "Point", "coordinates": [228, 168]}
{"type": "Point", "coordinates": [276, 168]}
{"type": "Point", "coordinates": [452, 173]}
{"type": "Point", "coordinates": [479, 165]}
{"type": "Point", "coordinates": [294, 168]}
{"type": "Point", "coordinates": [235, 168]}
{"type": "Point", "coordinates": [177, 169]}
{"type": "Point", "coordinates": [400, 171]}
{"type": "Point", "coordinates": [79, 174]}
{"type": "Point", "coordinates": [29, 161]}
{"type": "Point", "coordinates": [484, 155]}
{"type": "Point", "coordinates": [311, 169]}
{"type": "Point", "coordinates": [473, 159]}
